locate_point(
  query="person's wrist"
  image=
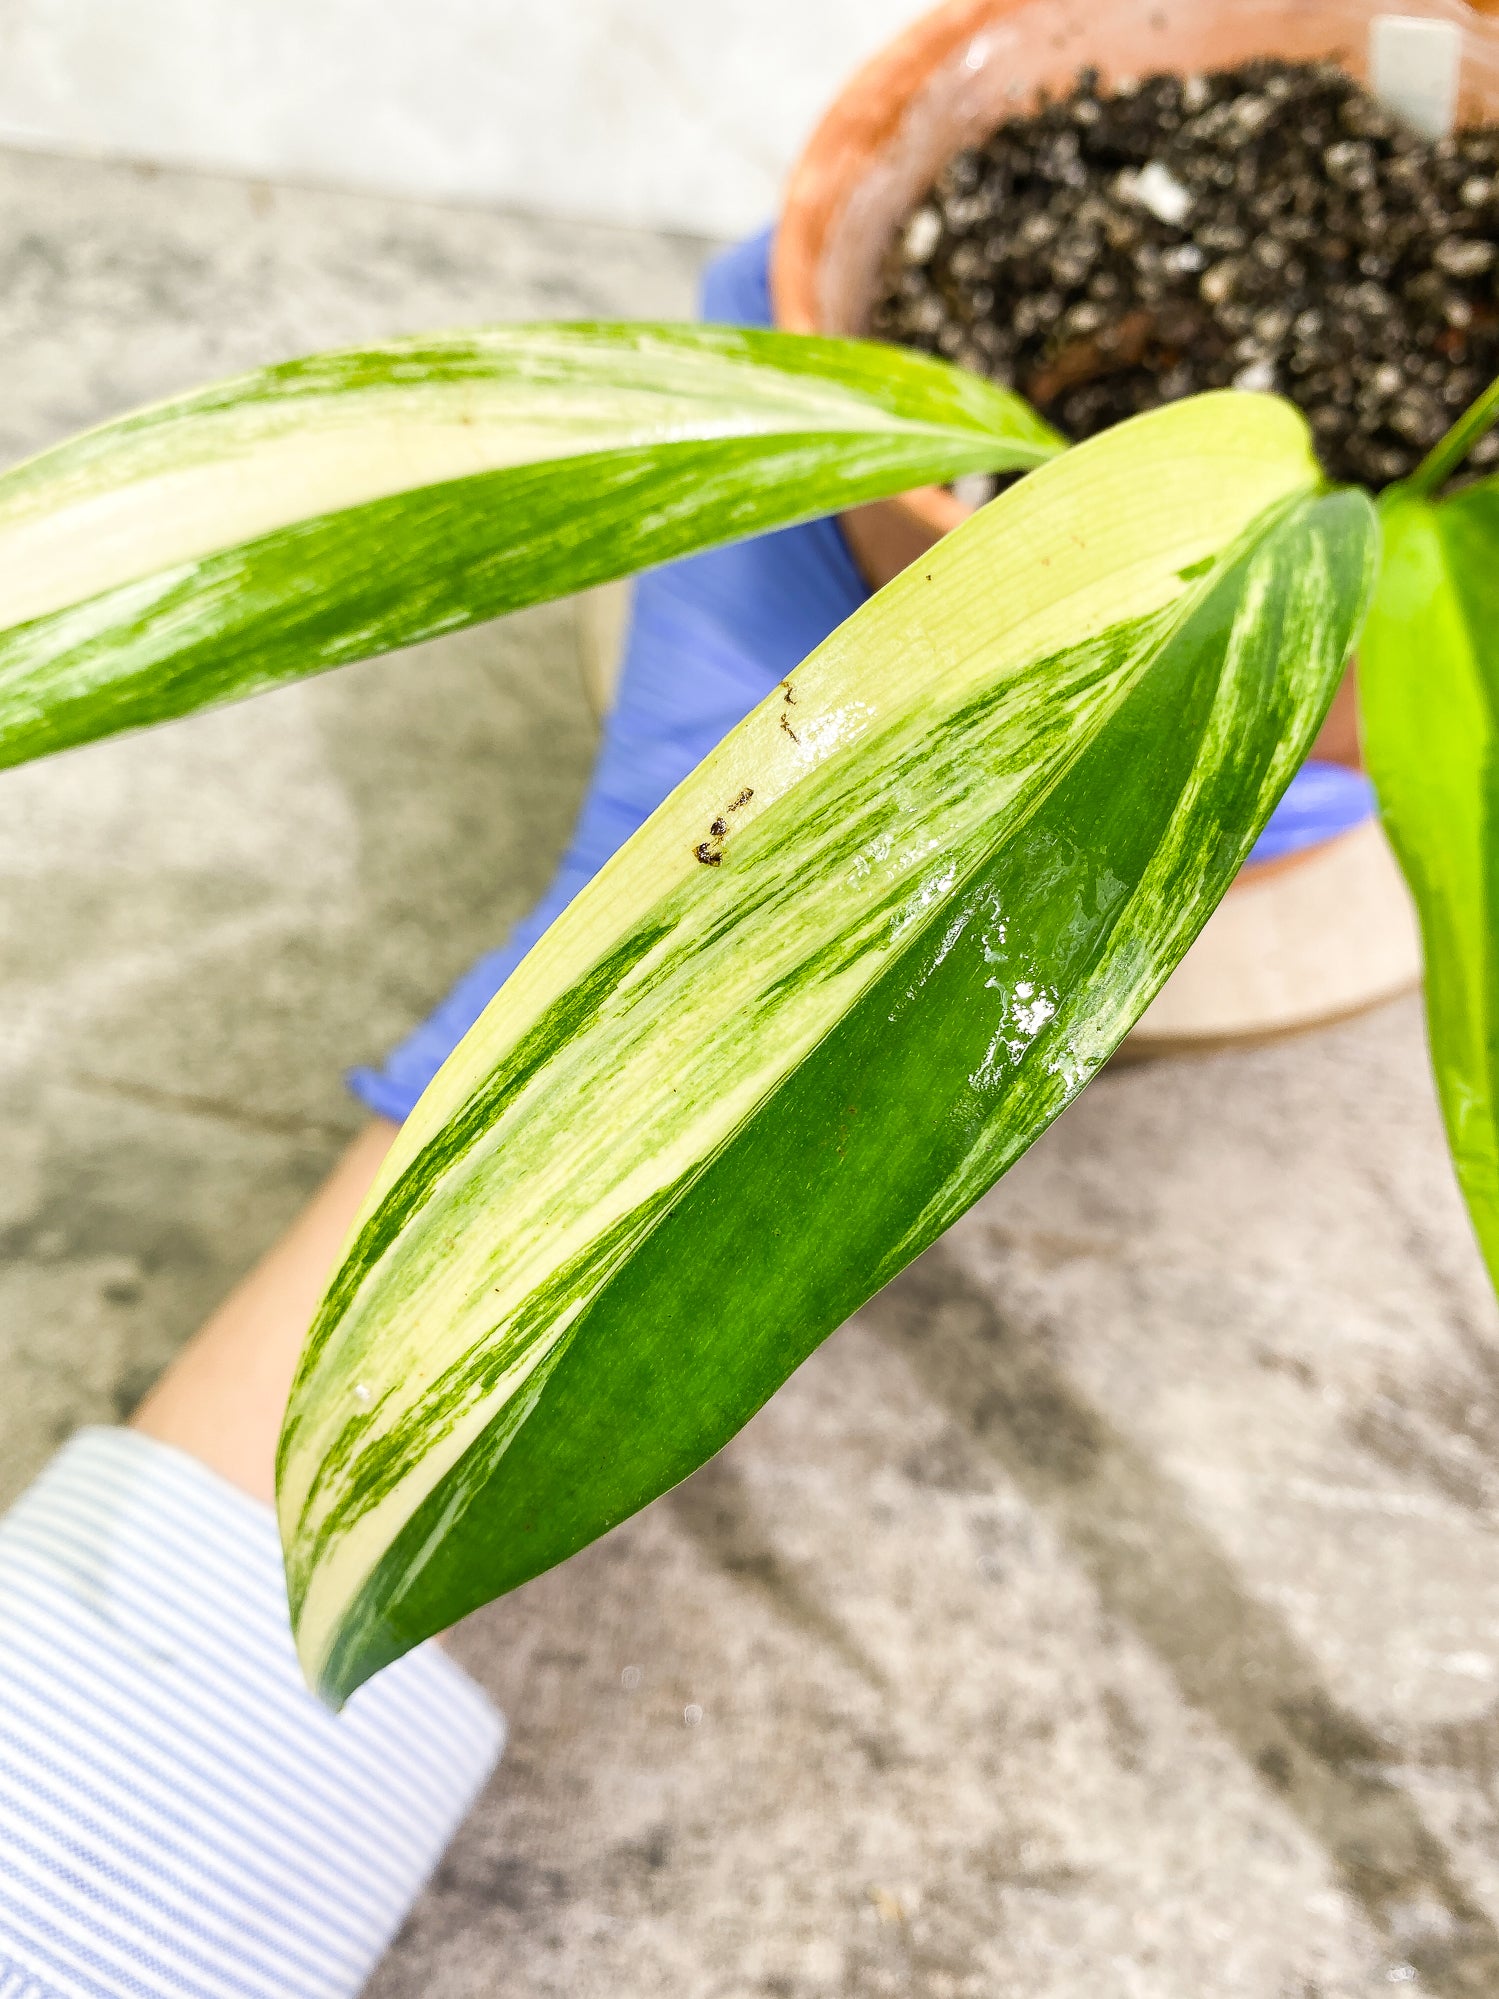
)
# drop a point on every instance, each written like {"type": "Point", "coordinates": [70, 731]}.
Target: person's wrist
{"type": "Point", "coordinates": [222, 1399]}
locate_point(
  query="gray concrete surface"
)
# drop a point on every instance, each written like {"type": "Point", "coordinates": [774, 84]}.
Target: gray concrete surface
{"type": "Point", "coordinates": [1112, 1609]}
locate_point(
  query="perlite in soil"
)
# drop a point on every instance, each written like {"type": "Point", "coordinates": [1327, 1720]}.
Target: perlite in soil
{"type": "Point", "coordinates": [1270, 227]}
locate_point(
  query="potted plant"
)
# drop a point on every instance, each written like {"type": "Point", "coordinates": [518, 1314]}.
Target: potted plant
{"type": "Point", "coordinates": [851, 968]}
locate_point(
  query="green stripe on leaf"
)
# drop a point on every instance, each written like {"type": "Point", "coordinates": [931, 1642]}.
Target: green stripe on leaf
{"type": "Point", "coordinates": [340, 506]}
{"type": "Point", "coordinates": [979, 827]}
{"type": "Point", "coordinates": [1429, 696]}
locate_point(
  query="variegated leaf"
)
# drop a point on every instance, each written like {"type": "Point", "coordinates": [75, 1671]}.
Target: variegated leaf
{"type": "Point", "coordinates": [833, 988]}
{"type": "Point", "coordinates": [1429, 694]}
{"type": "Point", "coordinates": [339, 506]}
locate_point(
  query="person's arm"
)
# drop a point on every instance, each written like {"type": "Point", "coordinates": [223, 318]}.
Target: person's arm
{"type": "Point", "coordinates": [179, 1817]}
{"type": "Point", "coordinates": [222, 1397]}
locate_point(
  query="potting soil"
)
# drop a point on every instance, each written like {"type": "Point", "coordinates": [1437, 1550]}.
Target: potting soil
{"type": "Point", "coordinates": [1268, 227]}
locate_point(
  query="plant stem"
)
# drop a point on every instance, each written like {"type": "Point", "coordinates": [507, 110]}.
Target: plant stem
{"type": "Point", "coordinates": [1440, 464]}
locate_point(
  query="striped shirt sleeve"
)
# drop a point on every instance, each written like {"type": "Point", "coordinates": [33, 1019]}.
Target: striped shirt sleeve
{"type": "Point", "coordinates": [179, 1817]}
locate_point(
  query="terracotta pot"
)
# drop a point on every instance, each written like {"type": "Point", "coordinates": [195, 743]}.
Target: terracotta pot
{"type": "Point", "coordinates": [956, 74]}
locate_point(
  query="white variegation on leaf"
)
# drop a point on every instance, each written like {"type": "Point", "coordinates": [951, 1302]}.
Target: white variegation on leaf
{"type": "Point", "coordinates": [793, 904]}
{"type": "Point", "coordinates": [343, 504]}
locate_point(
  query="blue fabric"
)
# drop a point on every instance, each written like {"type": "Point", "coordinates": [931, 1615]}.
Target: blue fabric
{"type": "Point", "coordinates": [1323, 801]}
{"type": "Point", "coordinates": [708, 639]}
{"type": "Point", "coordinates": [179, 1817]}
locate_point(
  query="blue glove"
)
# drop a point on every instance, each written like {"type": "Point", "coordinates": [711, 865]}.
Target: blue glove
{"type": "Point", "coordinates": [709, 638]}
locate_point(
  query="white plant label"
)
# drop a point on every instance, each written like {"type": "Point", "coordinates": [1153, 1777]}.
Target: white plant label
{"type": "Point", "coordinates": [1414, 66]}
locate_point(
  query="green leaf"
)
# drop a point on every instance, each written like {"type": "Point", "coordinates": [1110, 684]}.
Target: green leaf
{"type": "Point", "coordinates": [1429, 696]}
{"type": "Point", "coordinates": [342, 505]}
{"type": "Point", "coordinates": [1451, 452]}
{"type": "Point", "coordinates": [832, 989]}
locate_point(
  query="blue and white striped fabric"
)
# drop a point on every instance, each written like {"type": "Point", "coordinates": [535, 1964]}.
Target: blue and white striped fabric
{"type": "Point", "coordinates": [179, 1817]}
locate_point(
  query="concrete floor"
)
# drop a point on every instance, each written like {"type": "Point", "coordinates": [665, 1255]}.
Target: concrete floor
{"type": "Point", "coordinates": [1111, 1609]}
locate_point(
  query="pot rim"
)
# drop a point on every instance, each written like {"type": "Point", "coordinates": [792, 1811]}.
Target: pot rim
{"type": "Point", "coordinates": [864, 116]}
{"type": "Point", "coordinates": [866, 113]}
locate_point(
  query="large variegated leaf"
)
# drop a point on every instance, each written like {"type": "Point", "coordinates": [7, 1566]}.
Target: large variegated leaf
{"type": "Point", "coordinates": [341, 505]}
{"type": "Point", "coordinates": [1429, 692]}
{"type": "Point", "coordinates": [831, 990]}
